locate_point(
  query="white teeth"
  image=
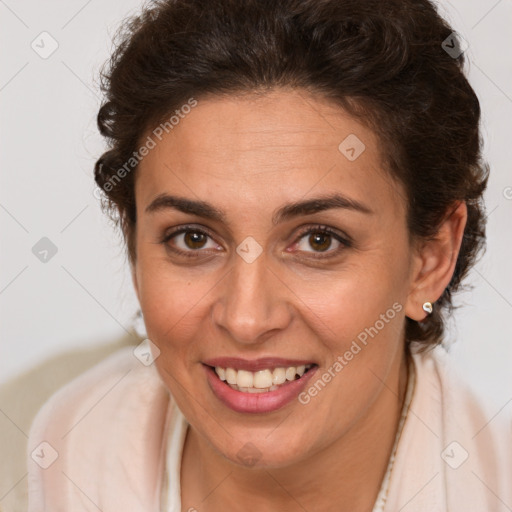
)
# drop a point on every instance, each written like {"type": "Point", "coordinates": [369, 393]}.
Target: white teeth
{"type": "Point", "coordinates": [252, 390]}
{"type": "Point", "coordinates": [290, 373]}
{"type": "Point", "coordinates": [261, 381]}
{"type": "Point", "coordinates": [230, 375]}
{"type": "Point", "coordinates": [279, 376]}
{"type": "Point", "coordinates": [244, 379]}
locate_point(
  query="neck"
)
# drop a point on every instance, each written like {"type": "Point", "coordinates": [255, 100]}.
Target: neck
{"type": "Point", "coordinates": [350, 470]}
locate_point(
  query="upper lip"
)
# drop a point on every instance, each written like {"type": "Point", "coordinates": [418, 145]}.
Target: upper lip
{"type": "Point", "coordinates": [255, 365]}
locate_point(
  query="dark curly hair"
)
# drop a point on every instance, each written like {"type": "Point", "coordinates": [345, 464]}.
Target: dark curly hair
{"type": "Point", "coordinates": [388, 63]}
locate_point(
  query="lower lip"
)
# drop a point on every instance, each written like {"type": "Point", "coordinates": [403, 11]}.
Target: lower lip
{"type": "Point", "coordinates": [257, 402]}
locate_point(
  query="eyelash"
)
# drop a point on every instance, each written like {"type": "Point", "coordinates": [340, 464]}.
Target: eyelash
{"type": "Point", "coordinates": [317, 229]}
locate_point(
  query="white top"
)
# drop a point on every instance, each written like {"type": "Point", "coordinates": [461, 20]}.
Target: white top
{"type": "Point", "coordinates": [112, 440]}
{"type": "Point", "coordinates": [171, 493]}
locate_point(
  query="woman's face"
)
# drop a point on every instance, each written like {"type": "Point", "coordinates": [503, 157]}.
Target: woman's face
{"type": "Point", "coordinates": [253, 281]}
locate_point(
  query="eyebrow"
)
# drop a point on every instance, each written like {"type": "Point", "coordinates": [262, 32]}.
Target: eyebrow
{"type": "Point", "coordinates": [295, 209]}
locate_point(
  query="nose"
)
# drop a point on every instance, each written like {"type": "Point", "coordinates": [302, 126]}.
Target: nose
{"type": "Point", "coordinates": [253, 303]}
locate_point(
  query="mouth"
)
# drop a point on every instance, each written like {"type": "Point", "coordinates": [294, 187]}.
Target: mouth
{"type": "Point", "coordinates": [266, 389]}
{"type": "Point", "coordinates": [261, 381]}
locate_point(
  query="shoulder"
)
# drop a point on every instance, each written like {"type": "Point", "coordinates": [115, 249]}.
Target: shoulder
{"type": "Point", "coordinates": [465, 411]}
{"type": "Point", "coordinates": [463, 442]}
{"type": "Point", "coordinates": [103, 429]}
{"type": "Point", "coordinates": [440, 378]}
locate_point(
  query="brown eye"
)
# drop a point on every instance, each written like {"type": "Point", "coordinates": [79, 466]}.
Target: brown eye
{"type": "Point", "coordinates": [194, 239]}
{"type": "Point", "coordinates": [189, 241]}
{"type": "Point", "coordinates": [320, 241]}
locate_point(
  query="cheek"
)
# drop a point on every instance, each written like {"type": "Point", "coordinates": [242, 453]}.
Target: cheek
{"type": "Point", "coordinates": [358, 319]}
{"type": "Point", "coordinates": [173, 303]}
{"type": "Point", "coordinates": [342, 304]}
{"type": "Point", "coordinates": [168, 291]}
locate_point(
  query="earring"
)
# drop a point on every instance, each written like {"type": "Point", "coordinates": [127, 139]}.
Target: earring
{"type": "Point", "coordinates": [138, 324]}
{"type": "Point", "coordinates": [427, 307]}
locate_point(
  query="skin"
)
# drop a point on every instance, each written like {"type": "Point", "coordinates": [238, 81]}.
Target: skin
{"type": "Point", "coordinates": [248, 156]}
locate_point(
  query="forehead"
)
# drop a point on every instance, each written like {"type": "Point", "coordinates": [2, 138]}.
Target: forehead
{"type": "Point", "coordinates": [267, 148]}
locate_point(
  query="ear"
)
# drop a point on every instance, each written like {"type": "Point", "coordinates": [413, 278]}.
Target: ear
{"type": "Point", "coordinates": [434, 262]}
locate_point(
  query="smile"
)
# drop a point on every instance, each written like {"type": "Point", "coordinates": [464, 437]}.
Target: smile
{"type": "Point", "coordinates": [261, 381]}
{"type": "Point", "coordinates": [260, 386]}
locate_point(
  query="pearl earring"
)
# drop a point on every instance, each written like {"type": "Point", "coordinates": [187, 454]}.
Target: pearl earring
{"type": "Point", "coordinates": [427, 307]}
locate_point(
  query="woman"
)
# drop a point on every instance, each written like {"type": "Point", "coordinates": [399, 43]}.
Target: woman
{"type": "Point", "coordinates": [299, 185]}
